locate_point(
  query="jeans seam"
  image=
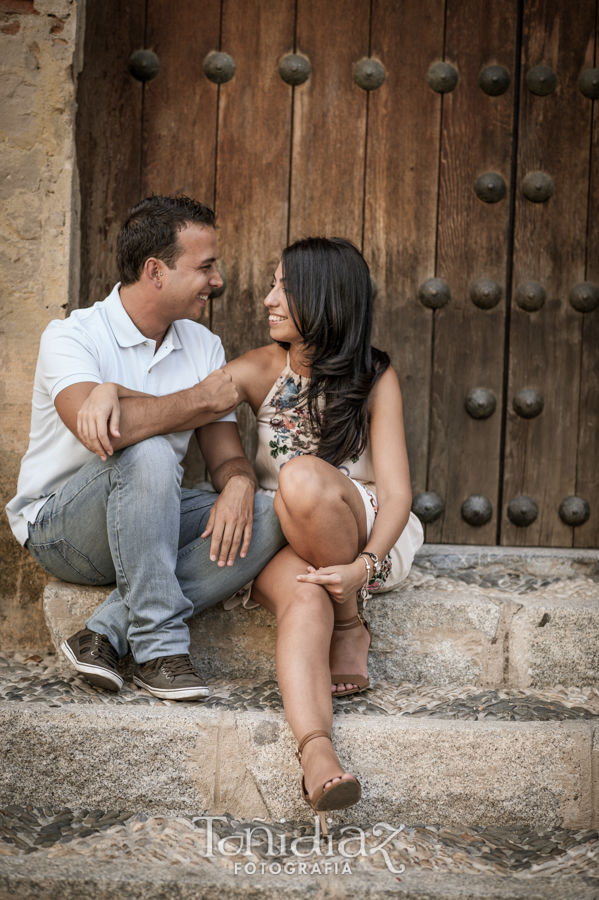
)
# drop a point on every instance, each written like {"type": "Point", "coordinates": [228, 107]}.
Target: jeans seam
{"type": "Point", "coordinates": [55, 545]}
{"type": "Point", "coordinates": [47, 521]}
{"type": "Point", "coordinates": [122, 572]}
{"type": "Point", "coordinates": [189, 548]}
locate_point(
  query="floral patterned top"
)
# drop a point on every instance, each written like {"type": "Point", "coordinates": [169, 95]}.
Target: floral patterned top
{"type": "Point", "coordinates": [284, 432]}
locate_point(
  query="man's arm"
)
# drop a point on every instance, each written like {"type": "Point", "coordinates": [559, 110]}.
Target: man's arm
{"type": "Point", "coordinates": [142, 416]}
{"type": "Point", "coordinates": [231, 518]}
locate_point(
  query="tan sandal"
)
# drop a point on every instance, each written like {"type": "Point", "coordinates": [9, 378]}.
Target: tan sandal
{"type": "Point", "coordinates": [360, 680]}
{"type": "Point", "coordinates": [340, 795]}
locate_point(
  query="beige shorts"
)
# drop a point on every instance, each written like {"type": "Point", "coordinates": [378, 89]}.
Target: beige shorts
{"type": "Point", "coordinates": [398, 562]}
{"type": "Point", "coordinates": [390, 571]}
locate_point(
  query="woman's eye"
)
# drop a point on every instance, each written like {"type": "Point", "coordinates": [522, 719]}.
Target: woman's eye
{"type": "Point", "coordinates": [272, 285]}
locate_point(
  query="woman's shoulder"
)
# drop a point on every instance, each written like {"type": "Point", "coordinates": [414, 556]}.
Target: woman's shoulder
{"type": "Point", "coordinates": [266, 361]}
{"type": "Point", "coordinates": [257, 370]}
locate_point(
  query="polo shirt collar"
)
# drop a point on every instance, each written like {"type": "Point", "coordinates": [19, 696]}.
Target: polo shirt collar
{"type": "Point", "coordinates": [125, 330]}
{"type": "Point", "coordinates": [123, 327]}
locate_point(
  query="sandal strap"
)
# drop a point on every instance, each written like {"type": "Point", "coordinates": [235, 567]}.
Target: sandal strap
{"type": "Point", "coordinates": [347, 624]}
{"type": "Point", "coordinates": [309, 737]}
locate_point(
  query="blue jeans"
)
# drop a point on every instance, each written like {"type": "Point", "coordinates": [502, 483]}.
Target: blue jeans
{"type": "Point", "coordinates": [129, 520]}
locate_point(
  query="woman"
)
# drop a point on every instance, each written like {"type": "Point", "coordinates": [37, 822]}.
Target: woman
{"type": "Point", "coordinates": [332, 447]}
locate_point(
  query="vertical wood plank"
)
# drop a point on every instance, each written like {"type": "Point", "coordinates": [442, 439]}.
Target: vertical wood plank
{"type": "Point", "coordinates": [549, 242]}
{"type": "Point", "coordinates": [180, 105]}
{"type": "Point", "coordinates": [108, 136]}
{"type": "Point", "coordinates": [587, 475]}
{"type": "Point", "coordinates": [252, 188]}
{"type": "Point", "coordinates": [329, 121]}
{"type": "Point", "coordinates": [401, 202]}
{"type": "Point", "coordinates": [472, 243]}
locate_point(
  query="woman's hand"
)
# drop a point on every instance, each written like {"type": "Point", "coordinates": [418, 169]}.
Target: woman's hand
{"type": "Point", "coordinates": [340, 582]}
{"type": "Point", "coordinates": [98, 418]}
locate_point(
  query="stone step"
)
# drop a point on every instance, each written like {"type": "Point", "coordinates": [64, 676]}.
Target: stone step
{"type": "Point", "coordinates": [28, 879]}
{"type": "Point", "coordinates": [185, 758]}
{"type": "Point", "coordinates": [105, 854]}
{"type": "Point", "coordinates": [490, 616]}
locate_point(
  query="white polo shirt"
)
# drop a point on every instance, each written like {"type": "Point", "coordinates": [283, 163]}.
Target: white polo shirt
{"type": "Point", "coordinates": [101, 344]}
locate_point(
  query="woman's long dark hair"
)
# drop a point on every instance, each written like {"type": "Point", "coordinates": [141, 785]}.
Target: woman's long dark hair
{"type": "Point", "coordinates": [328, 288]}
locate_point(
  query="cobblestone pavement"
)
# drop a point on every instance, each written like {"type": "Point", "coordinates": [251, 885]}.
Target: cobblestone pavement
{"type": "Point", "coordinates": [27, 677]}
{"type": "Point", "coordinates": [109, 835]}
{"type": "Point", "coordinates": [505, 581]}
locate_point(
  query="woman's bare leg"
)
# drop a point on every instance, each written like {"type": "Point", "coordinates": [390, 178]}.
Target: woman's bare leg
{"type": "Point", "coordinates": [322, 516]}
{"type": "Point", "coordinates": [304, 614]}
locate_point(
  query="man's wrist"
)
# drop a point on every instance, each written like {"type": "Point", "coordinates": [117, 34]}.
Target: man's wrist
{"type": "Point", "coordinates": [238, 467]}
{"type": "Point", "coordinates": [246, 476]}
{"type": "Point", "coordinates": [198, 399]}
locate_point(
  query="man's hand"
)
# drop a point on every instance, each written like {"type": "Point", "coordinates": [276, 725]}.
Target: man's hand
{"type": "Point", "coordinates": [99, 418]}
{"type": "Point", "coordinates": [231, 520]}
{"type": "Point", "coordinates": [218, 393]}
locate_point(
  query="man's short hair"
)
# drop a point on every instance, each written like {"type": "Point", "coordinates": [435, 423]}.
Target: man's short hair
{"type": "Point", "coordinates": [151, 228]}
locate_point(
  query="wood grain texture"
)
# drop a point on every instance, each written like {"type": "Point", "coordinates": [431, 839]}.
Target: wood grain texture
{"type": "Point", "coordinates": [180, 105]}
{"type": "Point", "coordinates": [472, 243]}
{"type": "Point", "coordinates": [549, 241]}
{"type": "Point", "coordinates": [401, 203]}
{"type": "Point", "coordinates": [108, 136]}
{"type": "Point", "coordinates": [587, 475]}
{"type": "Point", "coordinates": [252, 187]}
{"type": "Point", "coordinates": [329, 121]}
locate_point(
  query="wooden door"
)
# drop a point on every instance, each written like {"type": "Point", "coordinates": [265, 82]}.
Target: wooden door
{"type": "Point", "coordinates": [430, 174]}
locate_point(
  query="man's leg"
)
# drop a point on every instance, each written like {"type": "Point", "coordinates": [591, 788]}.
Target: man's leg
{"type": "Point", "coordinates": [202, 581]}
{"type": "Point", "coordinates": [119, 519]}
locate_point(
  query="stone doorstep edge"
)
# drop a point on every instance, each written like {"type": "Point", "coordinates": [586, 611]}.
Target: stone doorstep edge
{"type": "Point", "coordinates": [560, 561]}
{"type": "Point", "coordinates": [31, 879]}
{"type": "Point", "coordinates": [188, 760]}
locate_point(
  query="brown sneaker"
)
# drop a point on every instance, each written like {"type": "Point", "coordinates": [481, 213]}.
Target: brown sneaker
{"type": "Point", "coordinates": [170, 678]}
{"type": "Point", "coordinates": [93, 655]}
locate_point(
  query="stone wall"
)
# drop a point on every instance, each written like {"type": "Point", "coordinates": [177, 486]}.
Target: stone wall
{"type": "Point", "coordinates": [39, 63]}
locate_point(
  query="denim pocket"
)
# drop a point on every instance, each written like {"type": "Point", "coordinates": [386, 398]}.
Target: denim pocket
{"type": "Point", "coordinates": [62, 560]}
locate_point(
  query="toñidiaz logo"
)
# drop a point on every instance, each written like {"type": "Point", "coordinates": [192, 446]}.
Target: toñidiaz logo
{"type": "Point", "coordinates": [310, 854]}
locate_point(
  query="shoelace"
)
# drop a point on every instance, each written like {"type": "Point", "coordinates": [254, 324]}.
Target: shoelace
{"type": "Point", "coordinates": [100, 648]}
{"type": "Point", "coordinates": [177, 665]}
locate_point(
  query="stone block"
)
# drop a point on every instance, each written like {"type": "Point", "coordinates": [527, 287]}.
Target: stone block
{"type": "Point", "coordinates": [44, 879]}
{"type": "Point", "coordinates": [188, 759]}
{"type": "Point", "coordinates": [554, 642]}
{"type": "Point", "coordinates": [418, 636]}
{"type": "Point", "coordinates": [466, 636]}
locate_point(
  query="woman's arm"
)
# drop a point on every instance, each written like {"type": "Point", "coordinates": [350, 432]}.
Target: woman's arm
{"type": "Point", "coordinates": [390, 461]}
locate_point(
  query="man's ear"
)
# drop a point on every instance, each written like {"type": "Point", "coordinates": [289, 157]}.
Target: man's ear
{"type": "Point", "coordinates": [153, 270]}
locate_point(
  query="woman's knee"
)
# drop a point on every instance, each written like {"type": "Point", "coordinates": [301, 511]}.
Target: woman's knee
{"type": "Point", "coordinates": [303, 484]}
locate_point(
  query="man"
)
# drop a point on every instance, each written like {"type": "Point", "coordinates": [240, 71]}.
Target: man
{"type": "Point", "coordinates": [119, 513]}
